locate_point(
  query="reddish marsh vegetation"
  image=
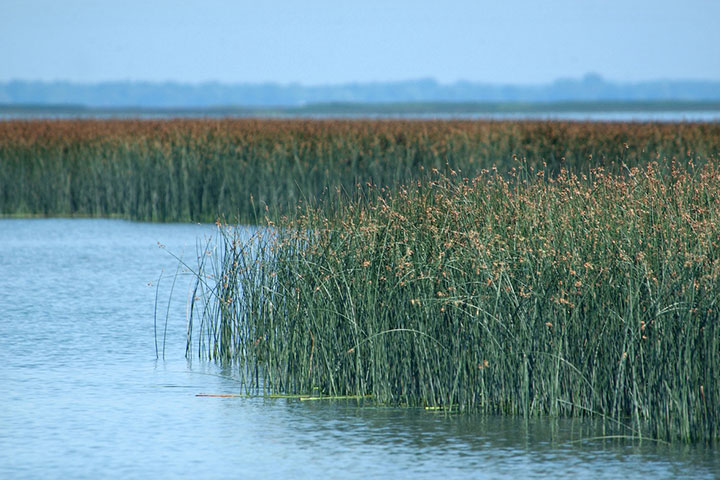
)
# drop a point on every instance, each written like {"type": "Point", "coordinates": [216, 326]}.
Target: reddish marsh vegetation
{"type": "Point", "coordinates": [195, 170]}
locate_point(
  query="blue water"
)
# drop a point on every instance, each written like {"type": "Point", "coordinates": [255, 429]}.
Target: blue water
{"type": "Point", "coordinates": [84, 396]}
{"type": "Point", "coordinates": [599, 116]}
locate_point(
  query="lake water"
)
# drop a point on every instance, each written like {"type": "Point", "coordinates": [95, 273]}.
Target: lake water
{"type": "Point", "coordinates": [706, 116]}
{"type": "Point", "coordinates": [83, 395]}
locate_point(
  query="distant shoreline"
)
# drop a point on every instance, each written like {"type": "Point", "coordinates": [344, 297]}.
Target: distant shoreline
{"type": "Point", "coordinates": [335, 109]}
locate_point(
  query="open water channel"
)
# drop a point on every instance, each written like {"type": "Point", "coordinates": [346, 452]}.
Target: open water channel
{"type": "Point", "coordinates": [84, 396]}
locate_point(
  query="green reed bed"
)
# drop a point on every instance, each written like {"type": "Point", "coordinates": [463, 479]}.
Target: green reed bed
{"type": "Point", "coordinates": [530, 294]}
{"type": "Point", "coordinates": [196, 170]}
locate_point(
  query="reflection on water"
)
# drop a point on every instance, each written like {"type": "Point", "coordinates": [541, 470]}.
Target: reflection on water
{"type": "Point", "coordinates": [84, 395]}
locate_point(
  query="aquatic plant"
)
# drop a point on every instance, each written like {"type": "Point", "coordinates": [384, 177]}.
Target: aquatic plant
{"type": "Point", "coordinates": [197, 170]}
{"type": "Point", "coordinates": [531, 293]}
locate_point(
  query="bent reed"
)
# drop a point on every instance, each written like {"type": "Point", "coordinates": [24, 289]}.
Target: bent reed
{"type": "Point", "coordinates": [527, 294]}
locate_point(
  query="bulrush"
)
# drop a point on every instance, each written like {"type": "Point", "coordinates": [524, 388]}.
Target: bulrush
{"type": "Point", "coordinates": [561, 294]}
{"type": "Point", "coordinates": [197, 170]}
{"type": "Point", "coordinates": [531, 268]}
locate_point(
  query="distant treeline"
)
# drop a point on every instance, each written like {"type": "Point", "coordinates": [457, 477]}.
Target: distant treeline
{"type": "Point", "coordinates": [212, 94]}
{"type": "Point", "coordinates": [197, 170]}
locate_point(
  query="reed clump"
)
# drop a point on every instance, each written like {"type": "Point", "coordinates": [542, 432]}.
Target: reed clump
{"type": "Point", "coordinates": [529, 293]}
{"type": "Point", "coordinates": [197, 170]}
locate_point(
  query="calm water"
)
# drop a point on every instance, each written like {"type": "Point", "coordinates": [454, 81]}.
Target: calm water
{"type": "Point", "coordinates": [612, 116]}
{"type": "Point", "coordinates": [84, 396]}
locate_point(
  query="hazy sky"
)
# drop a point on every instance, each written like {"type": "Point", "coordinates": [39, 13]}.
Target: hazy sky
{"type": "Point", "coordinates": [334, 41]}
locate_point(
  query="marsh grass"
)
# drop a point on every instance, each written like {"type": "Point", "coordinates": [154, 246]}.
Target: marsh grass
{"type": "Point", "coordinates": [578, 278]}
{"type": "Point", "coordinates": [529, 293]}
{"type": "Point", "coordinates": [197, 170]}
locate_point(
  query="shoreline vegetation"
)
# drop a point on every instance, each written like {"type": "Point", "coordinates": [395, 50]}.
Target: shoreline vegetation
{"type": "Point", "coordinates": [573, 295]}
{"type": "Point", "coordinates": [525, 268]}
{"type": "Point", "coordinates": [248, 169]}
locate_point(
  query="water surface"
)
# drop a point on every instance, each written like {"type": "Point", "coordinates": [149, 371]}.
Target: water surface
{"type": "Point", "coordinates": [84, 395]}
{"type": "Point", "coordinates": [706, 116]}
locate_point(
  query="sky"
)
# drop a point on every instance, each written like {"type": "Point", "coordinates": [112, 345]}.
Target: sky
{"type": "Point", "coordinates": [314, 42]}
